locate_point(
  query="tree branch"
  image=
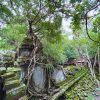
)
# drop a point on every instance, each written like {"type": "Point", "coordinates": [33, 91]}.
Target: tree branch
{"type": "Point", "coordinates": [87, 30]}
{"type": "Point", "coordinates": [93, 8]}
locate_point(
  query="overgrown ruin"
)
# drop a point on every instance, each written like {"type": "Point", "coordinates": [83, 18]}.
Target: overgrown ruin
{"type": "Point", "coordinates": [40, 80]}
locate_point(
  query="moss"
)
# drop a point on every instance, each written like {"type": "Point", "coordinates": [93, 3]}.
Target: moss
{"type": "Point", "coordinates": [2, 70]}
{"type": "Point", "coordinates": [82, 88]}
{"type": "Point", "coordinates": [91, 97]}
{"type": "Point", "coordinates": [68, 85]}
{"type": "Point", "coordinates": [69, 78]}
{"type": "Point", "coordinates": [12, 78]}
{"type": "Point", "coordinates": [13, 69]}
{"type": "Point", "coordinates": [1, 62]}
{"type": "Point", "coordinates": [12, 84]}
{"type": "Point", "coordinates": [71, 68]}
{"type": "Point", "coordinates": [8, 75]}
{"type": "Point", "coordinates": [16, 93]}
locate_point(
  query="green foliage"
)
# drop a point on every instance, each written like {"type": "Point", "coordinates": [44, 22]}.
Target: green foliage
{"type": "Point", "coordinates": [12, 35]}
{"type": "Point", "coordinates": [48, 21]}
{"type": "Point", "coordinates": [5, 45]}
{"type": "Point", "coordinates": [60, 51]}
{"type": "Point", "coordinates": [92, 46]}
{"type": "Point", "coordinates": [55, 50]}
{"type": "Point", "coordinates": [74, 1]}
{"type": "Point", "coordinates": [6, 10]}
{"type": "Point", "coordinates": [84, 42]}
{"type": "Point", "coordinates": [70, 50]}
{"type": "Point", "coordinates": [49, 67]}
{"type": "Point", "coordinates": [51, 29]}
{"type": "Point", "coordinates": [96, 25]}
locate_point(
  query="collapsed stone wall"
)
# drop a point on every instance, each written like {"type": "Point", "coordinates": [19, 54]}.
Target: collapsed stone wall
{"type": "Point", "coordinates": [7, 59]}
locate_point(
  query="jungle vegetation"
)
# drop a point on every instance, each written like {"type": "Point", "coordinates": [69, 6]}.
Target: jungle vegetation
{"type": "Point", "coordinates": [42, 19]}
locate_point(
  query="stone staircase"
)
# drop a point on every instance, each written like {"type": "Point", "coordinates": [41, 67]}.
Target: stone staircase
{"type": "Point", "coordinates": [15, 89]}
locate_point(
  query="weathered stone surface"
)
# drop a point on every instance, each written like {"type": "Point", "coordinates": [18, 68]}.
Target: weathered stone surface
{"type": "Point", "coordinates": [8, 75]}
{"type": "Point", "coordinates": [16, 93]}
{"type": "Point", "coordinates": [2, 70]}
{"type": "Point", "coordinates": [1, 62]}
{"type": "Point", "coordinates": [12, 84]}
{"type": "Point", "coordinates": [13, 69]}
{"type": "Point", "coordinates": [58, 75]}
{"type": "Point", "coordinates": [7, 58]}
{"type": "Point", "coordinates": [39, 78]}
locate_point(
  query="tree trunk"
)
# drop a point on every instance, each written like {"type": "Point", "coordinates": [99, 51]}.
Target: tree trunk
{"type": "Point", "coordinates": [92, 68]}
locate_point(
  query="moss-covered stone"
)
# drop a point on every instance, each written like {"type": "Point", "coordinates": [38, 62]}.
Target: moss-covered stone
{"type": "Point", "coordinates": [1, 63]}
{"type": "Point", "coordinates": [16, 93]}
{"type": "Point", "coordinates": [13, 69]}
{"type": "Point", "coordinates": [82, 88]}
{"type": "Point", "coordinates": [12, 84]}
{"type": "Point", "coordinates": [68, 86]}
{"type": "Point", "coordinates": [8, 75]}
{"type": "Point", "coordinates": [2, 70]}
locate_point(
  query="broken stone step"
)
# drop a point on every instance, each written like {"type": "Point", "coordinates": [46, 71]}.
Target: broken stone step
{"type": "Point", "coordinates": [8, 75]}
{"type": "Point", "coordinates": [13, 69]}
{"type": "Point", "coordinates": [12, 78]}
{"type": "Point", "coordinates": [16, 93]}
{"type": "Point", "coordinates": [2, 70]}
{"type": "Point", "coordinates": [12, 84]}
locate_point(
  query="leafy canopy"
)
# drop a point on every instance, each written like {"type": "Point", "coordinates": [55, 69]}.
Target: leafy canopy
{"type": "Point", "coordinates": [12, 35]}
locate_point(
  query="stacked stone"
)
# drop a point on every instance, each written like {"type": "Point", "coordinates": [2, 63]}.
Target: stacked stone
{"type": "Point", "coordinates": [13, 87]}
{"type": "Point", "coordinates": [24, 54]}
{"type": "Point", "coordinates": [7, 60]}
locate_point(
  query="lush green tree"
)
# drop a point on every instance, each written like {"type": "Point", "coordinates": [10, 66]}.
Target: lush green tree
{"type": "Point", "coordinates": [55, 50]}
{"type": "Point", "coordinates": [37, 13]}
{"type": "Point", "coordinates": [70, 50]}
{"type": "Point", "coordinates": [12, 36]}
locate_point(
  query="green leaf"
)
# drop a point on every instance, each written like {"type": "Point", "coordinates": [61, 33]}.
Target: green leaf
{"type": "Point", "coordinates": [6, 10]}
